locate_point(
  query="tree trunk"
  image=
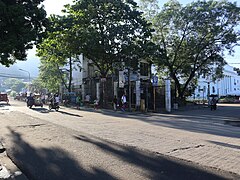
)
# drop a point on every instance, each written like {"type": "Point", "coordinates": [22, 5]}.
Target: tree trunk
{"type": "Point", "coordinates": [103, 98]}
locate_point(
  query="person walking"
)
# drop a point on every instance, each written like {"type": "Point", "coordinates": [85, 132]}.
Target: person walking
{"type": "Point", "coordinates": [56, 99]}
{"type": "Point", "coordinates": [87, 100]}
{"type": "Point", "coordinates": [124, 102]}
{"type": "Point", "coordinates": [78, 101]}
{"type": "Point", "coordinates": [115, 102]}
{"type": "Point", "coordinates": [213, 104]}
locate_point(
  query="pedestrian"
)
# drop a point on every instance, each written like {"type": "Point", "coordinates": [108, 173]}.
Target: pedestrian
{"type": "Point", "coordinates": [124, 102]}
{"type": "Point", "coordinates": [96, 104]}
{"type": "Point", "coordinates": [115, 103]}
{"type": "Point", "coordinates": [56, 99]}
{"type": "Point", "coordinates": [43, 98]}
{"type": "Point", "coordinates": [78, 101]}
{"type": "Point", "coordinates": [87, 100]}
{"type": "Point", "coordinates": [213, 104]}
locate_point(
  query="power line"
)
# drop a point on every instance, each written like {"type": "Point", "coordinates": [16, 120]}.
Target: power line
{"type": "Point", "coordinates": [10, 76]}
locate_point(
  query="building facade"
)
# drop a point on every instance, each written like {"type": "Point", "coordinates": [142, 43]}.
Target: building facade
{"type": "Point", "coordinates": [226, 86]}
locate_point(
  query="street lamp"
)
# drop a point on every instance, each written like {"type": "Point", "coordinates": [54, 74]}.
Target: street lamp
{"type": "Point", "coordinates": [28, 77]}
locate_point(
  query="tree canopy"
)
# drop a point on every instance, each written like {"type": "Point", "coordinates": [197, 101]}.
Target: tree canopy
{"type": "Point", "coordinates": [58, 50]}
{"type": "Point", "coordinates": [192, 39]}
{"type": "Point", "coordinates": [21, 23]}
{"type": "Point", "coordinates": [108, 30]}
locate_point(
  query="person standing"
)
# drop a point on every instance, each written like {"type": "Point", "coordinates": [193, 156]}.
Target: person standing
{"type": "Point", "coordinates": [78, 101]}
{"type": "Point", "coordinates": [213, 104]}
{"type": "Point", "coordinates": [56, 99]}
{"type": "Point", "coordinates": [115, 102]}
{"type": "Point", "coordinates": [124, 102]}
{"type": "Point", "coordinates": [87, 100]}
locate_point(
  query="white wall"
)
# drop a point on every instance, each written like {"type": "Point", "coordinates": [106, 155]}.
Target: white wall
{"type": "Point", "coordinates": [228, 85]}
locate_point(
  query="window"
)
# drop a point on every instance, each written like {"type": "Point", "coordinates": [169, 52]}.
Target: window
{"type": "Point", "coordinates": [144, 69]}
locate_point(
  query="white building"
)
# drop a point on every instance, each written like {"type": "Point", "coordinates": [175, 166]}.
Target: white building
{"type": "Point", "coordinates": [228, 85]}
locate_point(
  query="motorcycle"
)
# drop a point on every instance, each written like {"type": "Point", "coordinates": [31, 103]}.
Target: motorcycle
{"type": "Point", "coordinates": [54, 106]}
{"type": "Point", "coordinates": [30, 103]}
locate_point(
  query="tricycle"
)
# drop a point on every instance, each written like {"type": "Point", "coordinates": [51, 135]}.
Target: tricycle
{"type": "Point", "coordinates": [34, 100]}
{"type": "Point", "coordinates": [4, 97]}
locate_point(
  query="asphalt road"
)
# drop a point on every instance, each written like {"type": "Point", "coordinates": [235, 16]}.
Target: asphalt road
{"type": "Point", "coordinates": [77, 144]}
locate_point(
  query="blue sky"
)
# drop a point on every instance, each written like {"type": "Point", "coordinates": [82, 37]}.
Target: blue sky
{"type": "Point", "coordinates": [55, 7]}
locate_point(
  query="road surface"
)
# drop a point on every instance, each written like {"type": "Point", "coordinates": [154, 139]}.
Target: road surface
{"type": "Point", "coordinates": [87, 144]}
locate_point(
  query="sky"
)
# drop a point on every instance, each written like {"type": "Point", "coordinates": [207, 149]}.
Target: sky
{"type": "Point", "coordinates": [55, 7]}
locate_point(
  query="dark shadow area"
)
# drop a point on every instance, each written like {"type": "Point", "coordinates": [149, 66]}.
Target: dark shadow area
{"type": "Point", "coordinates": [154, 166]}
{"type": "Point", "coordinates": [49, 164]}
{"type": "Point", "coordinates": [70, 114]}
{"type": "Point", "coordinates": [40, 109]}
{"type": "Point", "coordinates": [2, 104]}
{"type": "Point", "coordinates": [225, 144]}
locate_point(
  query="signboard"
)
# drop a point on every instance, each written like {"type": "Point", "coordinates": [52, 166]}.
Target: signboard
{"type": "Point", "coordinates": [121, 79]}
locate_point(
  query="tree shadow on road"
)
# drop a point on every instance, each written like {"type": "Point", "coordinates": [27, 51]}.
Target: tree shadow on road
{"type": "Point", "coordinates": [49, 163]}
{"type": "Point", "coordinates": [225, 144]}
{"type": "Point", "coordinates": [155, 166]}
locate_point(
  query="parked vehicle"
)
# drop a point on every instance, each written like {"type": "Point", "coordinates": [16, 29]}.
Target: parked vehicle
{"type": "Point", "coordinates": [4, 97]}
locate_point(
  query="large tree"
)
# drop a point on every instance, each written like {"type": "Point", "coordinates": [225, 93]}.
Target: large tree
{"type": "Point", "coordinates": [106, 28]}
{"type": "Point", "coordinates": [21, 23]}
{"type": "Point", "coordinates": [193, 38]}
{"type": "Point", "coordinates": [109, 32]}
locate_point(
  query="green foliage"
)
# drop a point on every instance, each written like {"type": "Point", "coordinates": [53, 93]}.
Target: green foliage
{"type": "Point", "coordinates": [14, 84]}
{"type": "Point", "coordinates": [109, 31]}
{"type": "Point", "coordinates": [21, 23]}
{"type": "Point", "coordinates": [58, 50]}
{"type": "Point", "coordinates": [37, 85]}
{"type": "Point", "coordinates": [49, 76]}
{"type": "Point", "coordinates": [193, 39]}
